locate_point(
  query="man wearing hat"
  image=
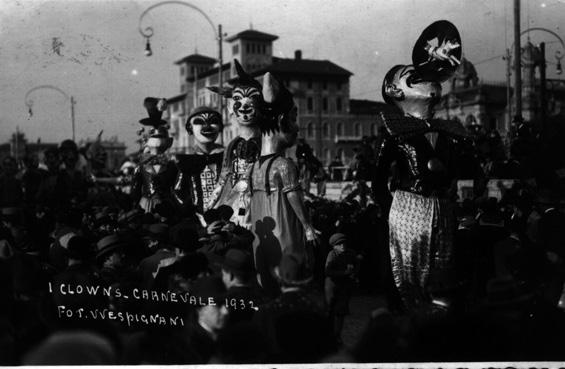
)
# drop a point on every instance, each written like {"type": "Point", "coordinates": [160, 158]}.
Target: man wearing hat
{"type": "Point", "coordinates": [110, 256]}
{"type": "Point", "coordinates": [208, 320]}
{"type": "Point", "coordinates": [160, 248]}
{"type": "Point", "coordinates": [154, 177]}
{"type": "Point", "coordinates": [295, 323]}
{"type": "Point", "coordinates": [199, 169]}
{"type": "Point", "coordinates": [243, 293]}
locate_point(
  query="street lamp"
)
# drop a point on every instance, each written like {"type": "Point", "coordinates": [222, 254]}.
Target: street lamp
{"type": "Point", "coordinates": [147, 33]}
{"type": "Point", "coordinates": [538, 60]}
{"type": "Point", "coordinates": [29, 102]}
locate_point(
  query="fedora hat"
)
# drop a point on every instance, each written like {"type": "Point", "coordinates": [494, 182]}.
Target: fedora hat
{"type": "Point", "coordinates": [108, 244]}
{"type": "Point", "coordinates": [79, 247]}
{"type": "Point", "coordinates": [238, 262]}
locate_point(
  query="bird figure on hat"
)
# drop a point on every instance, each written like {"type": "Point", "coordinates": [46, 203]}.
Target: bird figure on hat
{"type": "Point", "coordinates": [199, 169]}
{"type": "Point", "coordinates": [426, 151]}
{"type": "Point", "coordinates": [154, 177]}
{"type": "Point", "coordinates": [275, 188]}
{"type": "Point", "coordinates": [246, 105]}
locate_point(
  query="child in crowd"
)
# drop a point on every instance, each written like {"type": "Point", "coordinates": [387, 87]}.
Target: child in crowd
{"type": "Point", "coordinates": [342, 266]}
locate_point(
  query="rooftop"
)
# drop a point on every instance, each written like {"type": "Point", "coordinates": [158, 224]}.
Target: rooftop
{"type": "Point", "coordinates": [251, 34]}
{"type": "Point", "coordinates": [196, 58]}
{"type": "Point", "coordinates": [308, 67]}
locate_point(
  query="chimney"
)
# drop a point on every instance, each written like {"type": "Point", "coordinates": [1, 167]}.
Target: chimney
{"type": "Point", "coordinates": [298, 54]}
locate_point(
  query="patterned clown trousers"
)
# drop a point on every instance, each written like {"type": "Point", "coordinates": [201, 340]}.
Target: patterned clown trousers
{"type": "Point", "coordinates": [421, 231]}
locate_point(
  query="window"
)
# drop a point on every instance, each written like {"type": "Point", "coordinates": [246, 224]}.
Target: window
{"type": "Point", "coordinates": [327, 155]}
{"type": "Point", "coordinates": [264, 47]}
{"type": "Point", "coordinates": [235, 49]}
{"type": "Point", "coordinates": [248, 48]}
{"type": "Point", "coordinates": [325, 104]}
{"type": "Point", "coordinates": [326, 130]}
{"type": "Point", "coordinates": [340, 154]}
{"type": "Point", "coordinates": [310, 130]}
{"type": "Point", "coordinates": [358, 130]}
{"type": "Point", "coordinates": [310, 105]}
{"type": "Point", "coordinates": [339, 129]}
{"type": "Point", "coordinates": [309, 84]}
{"type": "Point", "coordinates": [338, 104]}
{"type": "Point", "coordinates": [182, 70]}
{"type": "Point", "coordinates": [338, 86]}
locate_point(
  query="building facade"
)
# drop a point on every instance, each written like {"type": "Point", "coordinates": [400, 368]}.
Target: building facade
{"type": "Point", "coordinates": [472, 101]}
{"type": "Point", "coordinates": [330, 122]}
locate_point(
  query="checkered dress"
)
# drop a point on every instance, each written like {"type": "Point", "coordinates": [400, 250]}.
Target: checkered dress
{"type": "Point", "coordinates": [421, 231]}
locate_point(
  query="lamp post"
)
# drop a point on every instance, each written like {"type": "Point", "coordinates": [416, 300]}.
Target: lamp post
{"type": "Point", "coordinates": [147, 33]}
{"type": "Point", "coordinates": [536, 56]}
{"type": "Point", "coordinates": [29, 102]}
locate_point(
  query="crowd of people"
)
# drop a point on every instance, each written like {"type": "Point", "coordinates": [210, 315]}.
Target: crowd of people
{"type": "Point", "coordinates": [62, 237]}
{"type": "Point", "coordinates": [223, 256]}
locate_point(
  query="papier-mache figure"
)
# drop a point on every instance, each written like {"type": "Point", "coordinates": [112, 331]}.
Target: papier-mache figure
{"type": "Point", "coordinates": [199, 169]}
{"type": "Point", "coordinates": [277, 213]}
{"type": "Point", "coordinates": [155, 175]}
{"type": "Point", "coordinates": [422, 217]}
{"type": "Point", "coordinates": [246, 104]}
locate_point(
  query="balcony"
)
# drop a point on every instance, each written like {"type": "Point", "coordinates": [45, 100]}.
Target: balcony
{"type": "Point", "coordinates": [347, 139]}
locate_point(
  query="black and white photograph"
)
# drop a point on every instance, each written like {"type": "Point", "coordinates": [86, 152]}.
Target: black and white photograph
{"type": "Point", "coordinates": [357, 183]}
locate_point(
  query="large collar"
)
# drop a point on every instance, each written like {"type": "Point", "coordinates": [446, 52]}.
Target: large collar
{"type": "Point", "coordinates": [405, 126]}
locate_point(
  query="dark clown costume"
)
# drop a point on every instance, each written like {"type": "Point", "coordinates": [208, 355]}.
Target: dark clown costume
{"type": "Point", "coordinates": [155, 175]}
{"type": "Point", "coordinates": [199, 169]}
{"type": "Point", "coordinates": [422, 214]}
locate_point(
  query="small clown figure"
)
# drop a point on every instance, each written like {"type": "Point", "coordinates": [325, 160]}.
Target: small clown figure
{"type": "Point", "coordinates": [199, 169]}
{"type": "Point", "coordinates": [246, 104]}
{"type": "Point", "coordinates": [422, 217]}
{"type": "Point", "coordinates": [155, 175]}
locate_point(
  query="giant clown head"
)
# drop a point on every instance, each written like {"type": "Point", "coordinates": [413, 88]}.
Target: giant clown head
{"type": "Point", "coordinates": [245, 98]}
{"type": "Point", "coordinates": [205, 124]}
{"type": "Point", "coordinates": [157, 141]}
{"type": "Point", "coordinates": [416, 88]}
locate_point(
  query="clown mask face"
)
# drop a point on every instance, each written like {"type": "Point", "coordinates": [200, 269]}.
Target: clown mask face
{"type": "Point", "coordinates": [157, 145]}
{"type": "Point", "coordinates": [416, 97]}
{"type": "Point", "coordinates": [206, 127]}
{"type": "Point", "coordinates": [246, 102]}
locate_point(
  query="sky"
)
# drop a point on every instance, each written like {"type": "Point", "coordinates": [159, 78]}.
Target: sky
{"type": "Point", "coordinates": [92, 49]}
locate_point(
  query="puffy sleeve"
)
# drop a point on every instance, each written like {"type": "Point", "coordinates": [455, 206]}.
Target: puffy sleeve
{"type": "Point", "coordinates": [289, 176]}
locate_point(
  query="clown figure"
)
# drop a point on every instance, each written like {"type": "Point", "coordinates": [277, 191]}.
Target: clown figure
{"type": "Point", "coordinates": [277, 213]}
{"type": "Point", "coordinates": [154, 177]}
{"type": "Point", "coordinates": [246, 104]}
{"type": "Point", "coordinates": [199, 169]}
{"type": "Point", "coordinates": [422, 217]}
